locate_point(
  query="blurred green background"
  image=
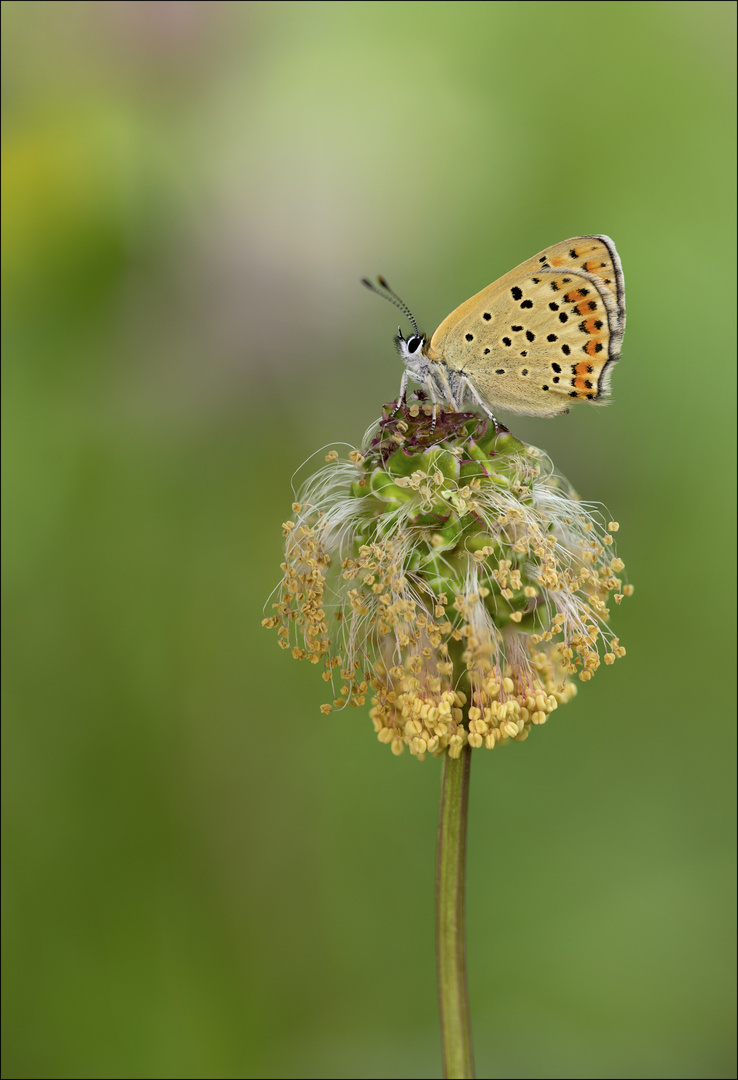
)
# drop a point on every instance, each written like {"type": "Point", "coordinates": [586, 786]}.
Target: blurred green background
{"type": "Point", "coordinates": [204, 877]}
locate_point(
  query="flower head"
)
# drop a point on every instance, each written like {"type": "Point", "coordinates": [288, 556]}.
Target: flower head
{"type": "Point", "coordinates": [452, 575]}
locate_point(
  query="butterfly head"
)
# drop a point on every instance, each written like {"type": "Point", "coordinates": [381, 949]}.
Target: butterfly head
{"type": "Point", "coordinates": [410, 348]}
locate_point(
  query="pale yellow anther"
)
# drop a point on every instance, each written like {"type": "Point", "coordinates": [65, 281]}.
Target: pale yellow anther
{"type": "Point", "coordinates": [516, 616]}
{"type": "Point", "coordinates": [508, 685]}
{"type": "Point", "coordinates": [613, 526]}
{"type": "Point", "coordinates": [475, 740]}
{"type": "Point", "coordinates": [628, 590]}
{"type": "Point", "coordinates": [332, 455]}
{"type": "Point", "coordinates": [509, 729]}
{"type": "Point", "coordinates": [397, 747]}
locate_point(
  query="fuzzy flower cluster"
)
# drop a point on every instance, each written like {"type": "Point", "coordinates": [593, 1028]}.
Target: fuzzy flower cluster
{"type": "Point", "coordinates": [452, 576]}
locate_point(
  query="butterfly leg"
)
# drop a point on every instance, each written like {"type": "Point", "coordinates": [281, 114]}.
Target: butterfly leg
{"type": "Point", "coordinates": [403, 391]}
{"type": "Point", "coordinates": [468, 387]}
{"type": "Point", "coordinates": [442, 378]}
{"type": "Point", "coordinates": [432, 392]}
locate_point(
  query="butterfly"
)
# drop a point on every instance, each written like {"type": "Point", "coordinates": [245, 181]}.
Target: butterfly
{"type": "Point", "coordinates": [544, 335]}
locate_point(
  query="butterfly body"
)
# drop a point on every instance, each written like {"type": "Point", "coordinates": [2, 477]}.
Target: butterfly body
{"type": "Point", "coordinates": [541, 337]}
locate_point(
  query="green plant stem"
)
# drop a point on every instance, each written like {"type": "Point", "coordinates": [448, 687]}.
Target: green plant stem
{"type": "Point", "coordinates": [458, 1060]}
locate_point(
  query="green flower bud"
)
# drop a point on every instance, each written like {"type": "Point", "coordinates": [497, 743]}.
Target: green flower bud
{"type": "Point", "coordinates": [452, 574]}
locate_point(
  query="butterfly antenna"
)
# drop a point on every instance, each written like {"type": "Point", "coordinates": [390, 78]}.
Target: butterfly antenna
{"type": "Point", "coordinates": [391, 295]}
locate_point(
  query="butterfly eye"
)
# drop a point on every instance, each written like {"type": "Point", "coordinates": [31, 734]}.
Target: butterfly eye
{"type": "Point", "coordinates": [413, 343]}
